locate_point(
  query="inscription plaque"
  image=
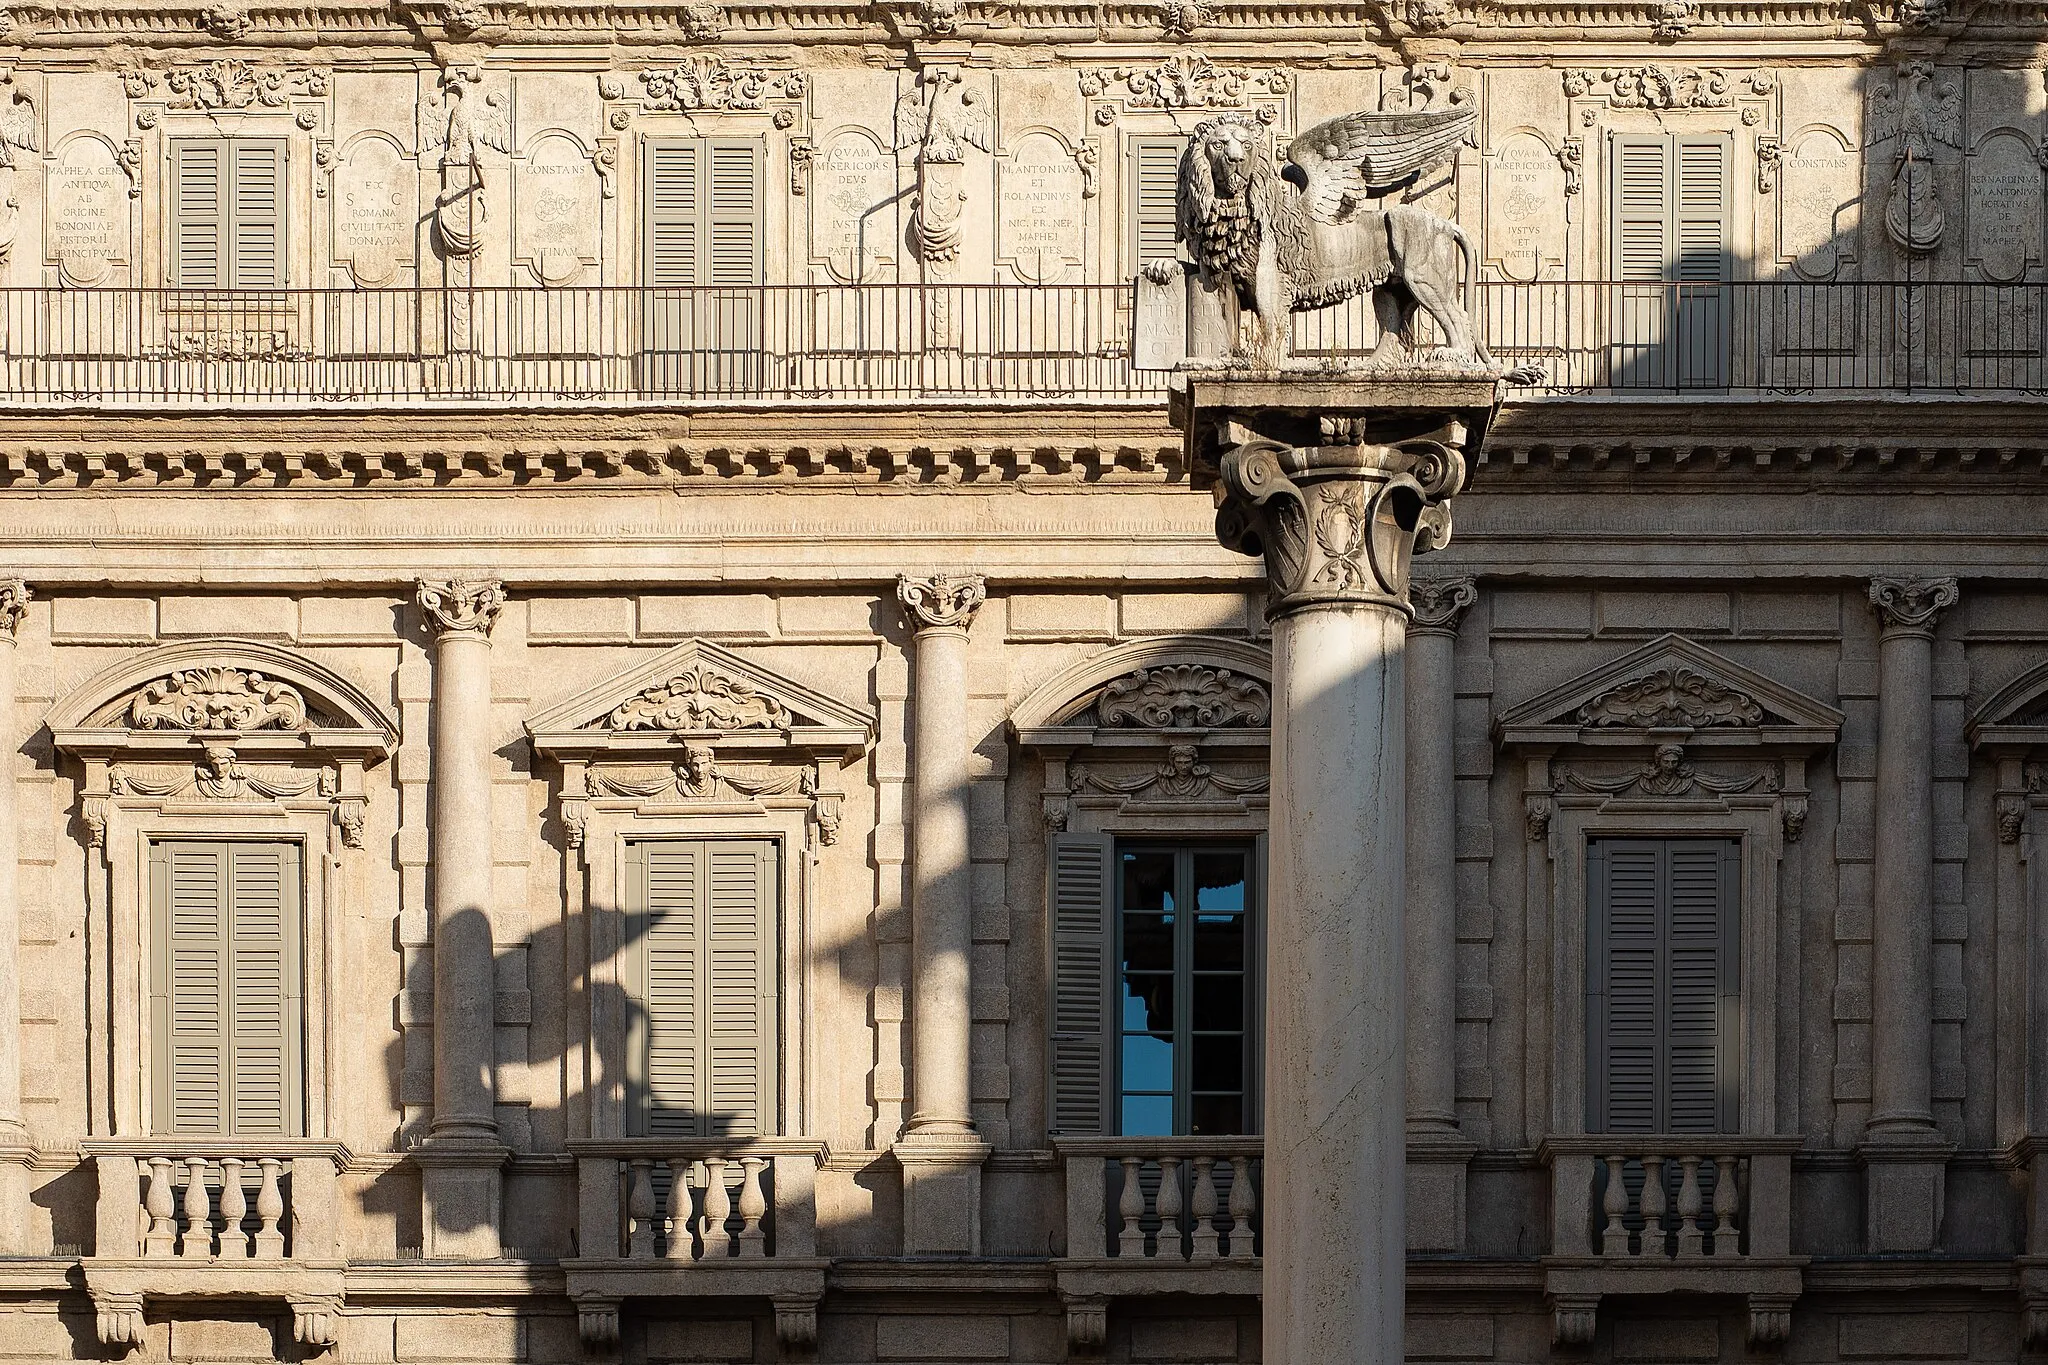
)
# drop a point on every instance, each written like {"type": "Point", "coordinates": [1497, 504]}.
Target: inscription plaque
{"type": "Point", "coordinates": [88, 211]}
{"type": "Point", "coordinates": [1819, 190]}
{"type": "Point", "coordinates": [1525, 207]}
{"type": "Point", "coordinates": [559, 210]}
{"type": "Point", "coordinates": [1038, 210]}
{"type": "Point", "coordinates": [852, 183]}
{"type": "Point", "coordinates": [376, 212]}
{"type": "Point", "coordinates": [2003, 206]}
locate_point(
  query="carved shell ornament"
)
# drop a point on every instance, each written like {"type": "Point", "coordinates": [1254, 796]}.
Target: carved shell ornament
{"type": "Point", "coordinates": [217, 699]}
{"type": "Point", "coordinates": [700, 698]}
{"type": "Point", "coordinates": [1671, 697]}
{"type": "Point", "coordinates": [1183, 696]}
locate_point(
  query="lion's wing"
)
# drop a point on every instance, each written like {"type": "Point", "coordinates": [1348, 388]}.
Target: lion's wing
{"type": "Point", "coordinates": [1354, 157]}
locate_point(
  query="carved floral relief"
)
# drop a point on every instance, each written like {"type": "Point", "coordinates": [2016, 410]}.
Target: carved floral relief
{"type": "Point", "coordinates": [217, 699]}
{"type": "Point", "coordinates": [1671, 698]}
{"type": "Point", "coordinates": [700, 698]}
{"type": "Point", "coordinates": [1183, 696]}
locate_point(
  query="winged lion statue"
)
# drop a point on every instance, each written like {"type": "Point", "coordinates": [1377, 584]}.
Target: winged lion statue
{"type": "Point", "coordinates": [1318, 230]}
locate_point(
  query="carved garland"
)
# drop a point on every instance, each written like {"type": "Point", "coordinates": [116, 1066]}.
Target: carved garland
{"type": "Point", "coordinates": [1185, 81]}
{"type": "Point", "coordinates": [1670, 776]}
{"type": "Point", "coordinates": [219, 775]}
{"type": "Point", "coordinates": [229, 83]}
{"type": "Point", "coordinates": [699, 777]}
{"type": "Point", "coordinates": [1183, 777]}
{"type": "Point", "coordinates": [707, 84]}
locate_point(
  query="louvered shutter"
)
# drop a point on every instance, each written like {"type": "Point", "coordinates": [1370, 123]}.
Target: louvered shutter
{"type": "Point", "coordinates": [1642, 208]}
{"type": "Point", "coordinates": [1662, 987]}
{"type": "Point", "coordinates": [675, 196]}
{"type": "Point", "coordinates": [732, 211]}
{"type": "Point", "coordinates": [226, 999]}
{"type": "Point", "coordinates": [1152, 173]}
{"type": "Point", "coordinates": [738, 1041]}
{"type": "Point", "coordinates": [703, 1052]}
{"type": "Point", "coordinates": [256, 215]}
{"type": "Point", "coordinates": [1702, 209]}
{"type": "Point", "coordinates": [199, 214]}
{"type": "Point", "coordinates": [1082, 898]}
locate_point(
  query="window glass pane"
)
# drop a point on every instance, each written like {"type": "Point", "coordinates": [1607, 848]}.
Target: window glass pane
{"type": "Point", "coordinates": [1148, 1063]}
{"type": "Point", "coordinates": [1219, 1062]}
{"type": "Point", "coordinates": [1148, 943]}
{"type": "Point", "coordinates": [1219, 943]}
{"type": "Point", "coordinates": [1218, 1002]}
{"type": "Point", "coordinates": [1219, 881]}
{"type": "Point", "coordinates": [1148, 880]}
{"type": "Point", "coordinates": [1148, 1003]}
{"type": "Point", "coordinates": [1147, 1116]}
{"type": "Point", "coordinates": [1216, 1114]}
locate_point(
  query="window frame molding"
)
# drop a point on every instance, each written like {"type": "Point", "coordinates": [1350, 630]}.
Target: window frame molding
{"type": "Point", "coordinates": [1775, 731]}
{"type": "Point", "coordinates": [165, 781]}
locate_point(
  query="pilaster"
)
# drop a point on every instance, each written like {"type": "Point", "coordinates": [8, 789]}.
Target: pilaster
{"type": "Point", "coordinates": [940, 1154]}
{"type": "Point", "coordinates": [1437, 1152]}
{"type": "Point", "coordinates": [14, 1146]}
{"type": "Point", "coordinates": [462, 1161]}
{"type": "Point", "coordinates": [1904, 1154]}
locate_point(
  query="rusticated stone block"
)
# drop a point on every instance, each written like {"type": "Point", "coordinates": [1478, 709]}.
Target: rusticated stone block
{"type": "Point", "coordinates": [942, 1338]}
{"type": "Point", "coordinates": [721, 615]}
{"type": "Point", "coordinates": [1906, 1336]}
{"type": "Point", "coordinates": [1184, 1338]}
{"type": "Point", "coordinates": [579, 618]}
{"type": "Point", "coordinates": [1064, 616]}
{"type": "Point", "coordinates": [688, 1339]}
{"type": "Point", "coordinates": [1164, 613]}
{"type": "Point", "coordinates": [118, 619]}
{"type": "Point", "coordinates": [1667, 1339]}
{"type": "Point", "coordinates": [1449, 1336]}
{"type": "Point", "coordinates": [223, 1339]}
{"type": "Point", "coordinates": [461, 1336]}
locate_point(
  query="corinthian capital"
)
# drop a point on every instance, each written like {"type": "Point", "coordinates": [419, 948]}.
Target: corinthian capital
{"type": "Point", "coordinates": [1912, 604]}
{"type": "Point", "coordinates": [1439, 604]}
{"type": "Point", "coordinates": [1339, 522]}
{"type": "Point", "coordinates": [462, 606]}
{"type": "Point", "coordinates": [14, 595]}
{"type": "Point", "coordinates": [941, 602]}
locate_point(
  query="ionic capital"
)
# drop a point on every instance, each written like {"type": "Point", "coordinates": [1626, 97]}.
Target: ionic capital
{"type": "Point", "coordinates": [462, 606]}
{"type": "Point", "coordinates": [1911, 605]}
{"type": "Point", "coordinates": [1338, 523]}
{"type": "Point", "coordinates": [14, 596]}
{"type": "Point", "coordinates": [942, 601]}
{"type": "Point", "coordinates": [1439, 604]}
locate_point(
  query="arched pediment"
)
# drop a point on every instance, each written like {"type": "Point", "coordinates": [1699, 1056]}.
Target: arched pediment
{"type": "Point", "coordinates": [1172, 682]}
{"type": "Point", "coordinates": [261, 694]}
{"type": "Point", "coordinates": [2016, 715]}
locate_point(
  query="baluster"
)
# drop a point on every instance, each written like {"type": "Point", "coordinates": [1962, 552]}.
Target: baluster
{"type": "Point", "coordinates": [640, 1210]}
{"type": "Point", "coordinates": [269, 1208]}
{"type": "Point", "coordinates": [1726, 1199]}
{"type": "Point", "coordinates": [1167, 1245]}
{"type": "Point", "coordinates": [1689, 1230]}
{"type": "Point", "coordinates": [1654, 1205]}
{"type": "Point", "coordinates": [198, 1238]}
{"type": "Point", "coordinates": [234, 1206]}
{"type": "Point", "coordinates": [1203, 1243]}
{"type": "Point", "coordinates": [681, 1238]}
{"type": "Point", "coordinates": [162, 1237]}
{"type": "Point", "coordinates": [717, 1208]}
{"type": "Point", "coordinates": [1614, 1208]}
{"type": "Point", "coordinates": [1243, 1203]}
{"type": "Point", "coordinates": [753, 1207]}
{"type": "Point", "coordinates": [1131, 1204]}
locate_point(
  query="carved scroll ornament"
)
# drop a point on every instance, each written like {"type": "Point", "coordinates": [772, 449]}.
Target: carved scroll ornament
{"type": "Point", "coordinates": [462, 606]}
{"type": "Point", "coordinates": [217, 699]}
{"type": "Point", "coordinates": [1182, 696]}
{"type": "Point", "coordinates": [1912, 604]}
{"type": "Point", "coordinates": [229, 83]}
{"type": "Point", "coordinates": [1669, 698]}
{"type": "Point", "coordinates": [700, 698]}
{"type": "Point", "coordinates": [941, 602]}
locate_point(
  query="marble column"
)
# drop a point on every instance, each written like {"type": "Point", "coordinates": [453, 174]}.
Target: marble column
{"type": "Point", "coordinates": [1903, 1152]}
{"type": "Point", "coordinates": [462, 1159]}
{"type": "Point", "coordinates": [1437, 1152]}
{"type": "Point", "coordinates": [940, 1153]}
{"type": "Point", "coordinates": [1335, 505]}
{"type": "Point", "coordinates": [15, 1151]}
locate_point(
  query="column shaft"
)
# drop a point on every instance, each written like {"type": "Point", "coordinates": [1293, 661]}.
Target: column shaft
{"type": "Point", "coordinates": [14, 1148]}
{"type": "Point", "coordinates": [1432, 870]}
{"type": "Point", "coordinates": [940, 903]}
{"type": "Point", "coordinates": [465, 971]}
{"type": "Point", "coordinates": [1902, 923]}
{"type": "Point", "coordinates": [1335, 1190]}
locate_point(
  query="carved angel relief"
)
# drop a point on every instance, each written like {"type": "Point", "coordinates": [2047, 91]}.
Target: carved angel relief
{"type": "Point", "coordinates": [700, 698]}
{"type": "Point", "coordinates": [1671, 698]}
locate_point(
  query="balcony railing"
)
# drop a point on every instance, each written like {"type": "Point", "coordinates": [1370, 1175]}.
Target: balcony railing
{"type": "Point", "coordinates": [963, 344]}
{"type": "Point", "coordinates": [1169, 1200]}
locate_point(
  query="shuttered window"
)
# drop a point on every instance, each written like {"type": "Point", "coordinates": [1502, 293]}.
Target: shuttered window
{"type": "Point", "coordinates": [1672, 206]}
{"type": "Point", "coordinates": [1155, 1002]}
{"type": "Point", "coordinates": [226, 997]}
{"type": "Point", "coordinates": [704, 209]}
{"type": "Point", "coordinates": [227, 213]}
{"type": "Point", "coordinates": [1662, 986]}
{"type": "Point", "coordinates": [1151, 178]}
{"type": "Point", "coordinates": [701, 918]}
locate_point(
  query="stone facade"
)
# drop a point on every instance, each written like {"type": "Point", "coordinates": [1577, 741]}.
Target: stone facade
{"type": "Point", "coordinates": [432, 548]}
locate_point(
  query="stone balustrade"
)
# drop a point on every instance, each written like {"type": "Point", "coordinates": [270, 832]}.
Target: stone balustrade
{"type": "Point", "coordinates": [712, 1217]}
{"type": "Point", "coordinates": [1636, 1213]}
{"type": "Point", "coordinates": [216, 1218]}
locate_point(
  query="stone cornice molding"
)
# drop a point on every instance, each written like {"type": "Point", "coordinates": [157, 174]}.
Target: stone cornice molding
{"type": "Point", "coordinates": [14, 600]}
{"type": "Point", "coordinates": [1912, 606]}
{"type": "Point", "coordinates": [461, 606]}
{"type": "Point", "coordinates": [1438, 605]}
{"type": "Point", "coordinates": [941, 601]}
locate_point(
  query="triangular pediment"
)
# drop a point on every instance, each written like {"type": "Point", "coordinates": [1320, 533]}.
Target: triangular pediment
{"type": "Point", "coordinates": [1670, 684]}
{"type": "Point", "coordinates": [700, 689]}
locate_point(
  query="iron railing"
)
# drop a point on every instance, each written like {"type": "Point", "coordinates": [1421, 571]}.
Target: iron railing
{"type": "Point", "coordinates": [890, 344]}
